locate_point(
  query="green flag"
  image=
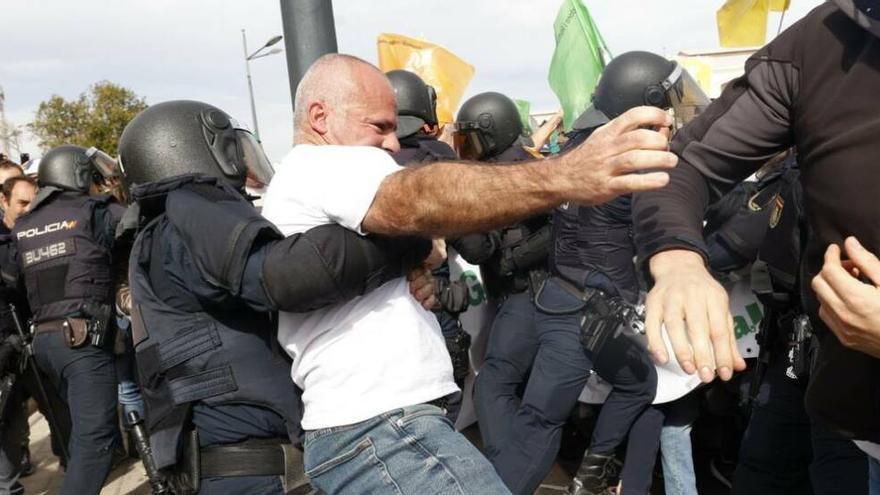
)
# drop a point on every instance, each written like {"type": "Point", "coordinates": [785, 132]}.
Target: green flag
{"type": "Point", "coordinates": [524, 108]}
{"type": "Point", "coordinates": [578, 60]}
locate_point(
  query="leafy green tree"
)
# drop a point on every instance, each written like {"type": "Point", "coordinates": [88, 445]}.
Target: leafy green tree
{"type": "Point", "coordinates": [96, 118]}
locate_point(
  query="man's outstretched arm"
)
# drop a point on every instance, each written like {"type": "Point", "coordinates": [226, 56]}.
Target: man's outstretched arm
{"type": "Point", "coordinates": [450, 199]}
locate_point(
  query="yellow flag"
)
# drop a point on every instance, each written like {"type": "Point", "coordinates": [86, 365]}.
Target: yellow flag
{"type": "Point", "coordinates": [743, 23]}
{"type": "Point", "coordinates": [438, 67]}
{"type": "Point", "coordinates": [779, 5]}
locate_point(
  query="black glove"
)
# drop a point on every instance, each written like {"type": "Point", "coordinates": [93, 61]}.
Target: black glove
{"type": "Point", "coordinates": [452, 296]}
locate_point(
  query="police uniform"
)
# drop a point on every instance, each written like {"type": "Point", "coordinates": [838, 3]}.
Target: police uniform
{"type": "Point", "coordinates": [13, 420]}
{"type": "Point", "coordinates": [206, 274]}
{"type": "Point", "coordinates": [782, 451]}
{"type": "Point", "coordinates": [65, 245]}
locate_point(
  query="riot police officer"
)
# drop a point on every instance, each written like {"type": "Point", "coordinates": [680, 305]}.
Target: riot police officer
{"type": "Point", "coordinates": [66, 253]}
{"type": "Point", "coordinates": [782, 450]}
{"type": "Point", "coordinates": [417, 130]}
{"type": "Point", "coordinates": [593, 258]}
{"type": "Point", "coordinates": [207, 272]}
{"type": "Point", "coordinates": [512, 262]}
{"type": "Point", "coordinates": [417, 125]}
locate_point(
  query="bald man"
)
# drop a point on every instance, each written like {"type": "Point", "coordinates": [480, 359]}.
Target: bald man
{"type": "Point", "coordinates": [374, 371]}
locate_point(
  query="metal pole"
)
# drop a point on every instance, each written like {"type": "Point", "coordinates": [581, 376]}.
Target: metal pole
{"type": "Point", "coordinates": [247, 68]}
{"type": "Point", "coordinates": [309, 32]}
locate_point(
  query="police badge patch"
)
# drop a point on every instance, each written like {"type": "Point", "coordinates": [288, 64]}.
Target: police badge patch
{"type": "Point", "coordinates": [776, 214]}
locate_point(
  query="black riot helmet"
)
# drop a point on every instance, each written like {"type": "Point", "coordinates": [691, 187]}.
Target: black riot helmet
{"type": "Point", "coordinates": [637, 78]}
{"type": "Point", "coordinates": [865, 13]}
{"type": "Point", "coordinates": [487, 124]}
{"type": "Point", "coordinates": [416, 102]}
{"type": "Point", "coordinates": [75, 168]}
{"type": "Point", "coordinates": [190, 137]}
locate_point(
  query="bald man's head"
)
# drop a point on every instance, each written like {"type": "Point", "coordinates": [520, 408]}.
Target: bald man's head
{"type": "Point", "coordinates": [344, 100]}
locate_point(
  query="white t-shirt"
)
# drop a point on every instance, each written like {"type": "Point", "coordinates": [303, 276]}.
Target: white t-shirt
{"type": "Point", "coordinates": [378, 352]}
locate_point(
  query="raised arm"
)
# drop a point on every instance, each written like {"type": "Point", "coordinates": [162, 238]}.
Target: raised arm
{"type": "Point", "coordinates": [452, 199]}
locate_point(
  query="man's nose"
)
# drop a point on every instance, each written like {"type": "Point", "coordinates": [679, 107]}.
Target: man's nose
{"type": "Point", "coordinates": [391, 144]}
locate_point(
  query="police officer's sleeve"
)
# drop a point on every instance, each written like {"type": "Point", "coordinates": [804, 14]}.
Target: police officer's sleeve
{"type": "Point", "coordinates": [477, 249]}
{"type": "Point", "coordinates": [750, 123]}
{"type": "Point", "coordinates": [105, 218]}
{"type": "Point", "coordinates": [331, 264]}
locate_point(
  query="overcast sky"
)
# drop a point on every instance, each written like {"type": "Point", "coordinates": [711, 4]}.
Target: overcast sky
{"type": "Point", "coordinates": [164, 49]}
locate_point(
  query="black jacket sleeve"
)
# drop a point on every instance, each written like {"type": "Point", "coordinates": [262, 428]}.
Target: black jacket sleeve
{"type": "Point", "coordinates": [477, 249]}
{"type": "Point", "coordinates": [749, 124]}
{"type": "Point", "coordinates": [331, 264]}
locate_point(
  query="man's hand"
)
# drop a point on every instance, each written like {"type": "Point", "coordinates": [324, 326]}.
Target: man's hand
{"type": "Point", "coordinates": [695, 310]}
{"type": "Point", "coordinates": [850, 307]}
{"type": "Point", "coordinates": [421, 286]}
{"type": "Point", "coordinates": [609, 162]}
{"type": "Point", "coordinates": [437, 255]}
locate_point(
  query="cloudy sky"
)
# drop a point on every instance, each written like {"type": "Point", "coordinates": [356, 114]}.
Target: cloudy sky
{"type": "Point", "coordinates": [165, 49]}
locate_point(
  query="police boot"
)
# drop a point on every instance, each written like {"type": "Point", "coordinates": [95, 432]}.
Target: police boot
{"type": "Point", "coordinates": [597, 475]}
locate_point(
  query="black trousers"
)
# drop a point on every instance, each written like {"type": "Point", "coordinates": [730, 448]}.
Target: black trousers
{"type": "Point", "coordinates": [534, 371]}
{"type": "Point", "coordinates": [783, 452]}
{"type": "Point", "coordinates": [86, 380]}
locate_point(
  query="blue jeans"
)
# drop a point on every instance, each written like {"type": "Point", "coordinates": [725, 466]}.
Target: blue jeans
{"type": "Point", "coordinates": [676, 449]}
{"type": "Point", "coordinates": [128, 391]}
{"type": "Point", "coordinates": [873, 476]}
{"type": "Point", "coordinates": [413, 450]}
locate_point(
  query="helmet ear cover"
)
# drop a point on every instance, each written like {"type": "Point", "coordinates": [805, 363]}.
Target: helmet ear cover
{"type": "Point", "coordinates": [655, 96]}
{"type": "Point", "coordinates": [220, 138]}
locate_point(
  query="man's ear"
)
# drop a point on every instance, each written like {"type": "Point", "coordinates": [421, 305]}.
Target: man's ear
{"type": "Point", "coordinates": [318, 117]}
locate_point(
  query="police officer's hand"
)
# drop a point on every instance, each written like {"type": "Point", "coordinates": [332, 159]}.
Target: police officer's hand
{"type": "Point", "coordinates": [695, 310]}
{"type": "Point", "coordinates": [421, 286]}
{"type": "Point", "coordinates": [618, 158]}
{"type": "Point", "coordinates": [850, 307]}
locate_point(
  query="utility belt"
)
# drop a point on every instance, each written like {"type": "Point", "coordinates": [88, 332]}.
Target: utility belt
{"type": "Point", "coordinates": [603, 317]}
{"type": "Point", "coordinates": [258, 457]}
{"type": "Point", "coordinates": [78, 332]}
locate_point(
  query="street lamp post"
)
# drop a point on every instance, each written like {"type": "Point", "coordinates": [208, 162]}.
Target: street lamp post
{"type": "Point", "coordinates": [247, 67]}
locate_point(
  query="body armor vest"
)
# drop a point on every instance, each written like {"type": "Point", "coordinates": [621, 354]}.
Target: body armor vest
{"type": "Point", "coordinates": [66, 271]}
{"type": "Point", "coordinates": [188, 352]}
{"type": "Point", "coordinates": [522, 249]}
{"type": "Point", "coordinates": [599, 239]}
{"type": "Point", "coordinates": [421, 149]}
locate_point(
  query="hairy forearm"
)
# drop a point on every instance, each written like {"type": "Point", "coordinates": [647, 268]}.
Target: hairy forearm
{"type": "Point", "coordinates": [453, 199]}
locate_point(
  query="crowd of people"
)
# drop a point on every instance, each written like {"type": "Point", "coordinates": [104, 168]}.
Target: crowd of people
{"type": "Point", "coordinates": [314, 343]}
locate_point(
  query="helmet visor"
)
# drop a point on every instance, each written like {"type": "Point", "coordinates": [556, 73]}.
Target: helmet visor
{"type": "Point", "coordinates": [686, 98]}
{"type": "Point", "coordinates": [468, 145]}
{"type": "Point", "coordinates": [470, 141]}
{"type": "Point", "coordinates": [259, 169]}
{"type": "Point", "coordinates": [103, 163]}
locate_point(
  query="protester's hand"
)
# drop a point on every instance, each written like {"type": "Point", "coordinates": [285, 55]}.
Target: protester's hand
{"type": "Point", "coordinates": [695, 310]}
{"type": "Point", "coordinates": [421, 286]}
{"type": "Point", "coordinates": [609, 162]}
{"type": "Point", "coordinates": [850, 307]}
{"type": "Point", "coordinates": [437, 255]}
